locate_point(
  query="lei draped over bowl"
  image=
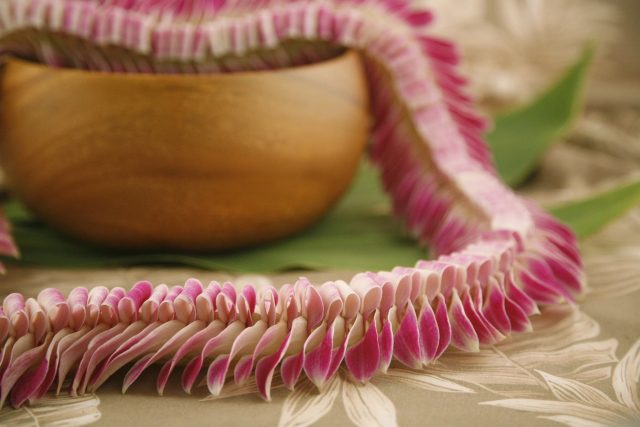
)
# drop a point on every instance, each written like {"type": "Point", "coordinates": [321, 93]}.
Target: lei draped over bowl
{"type": "Point", "coordinates": [498, 256]}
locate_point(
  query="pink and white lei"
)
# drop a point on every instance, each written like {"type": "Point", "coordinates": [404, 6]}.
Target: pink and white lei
{"type": "Point", "coordinates": [499, 256]}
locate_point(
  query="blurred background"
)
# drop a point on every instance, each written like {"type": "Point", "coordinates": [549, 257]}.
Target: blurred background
{"type": "Point", "coordinates": [513, 49]}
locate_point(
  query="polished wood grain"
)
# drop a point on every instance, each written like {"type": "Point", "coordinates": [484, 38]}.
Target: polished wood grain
{"type": "Point", "coordinates": [182, 161]}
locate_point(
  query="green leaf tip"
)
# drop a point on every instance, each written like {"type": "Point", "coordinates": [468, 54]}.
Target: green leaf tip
{"type": "Point", "coordinates": [587, 216]}
{"type": "Point", "coordinates": [519, 138]}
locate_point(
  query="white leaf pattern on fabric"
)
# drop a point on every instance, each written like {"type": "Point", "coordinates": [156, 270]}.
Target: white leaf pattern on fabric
{"type": "Point", "coordinates": [520, 33]}
{"type": "Point", "coordinates": [234, 390]}
{"type": "Point", "coordinates": [572, 409]}
{"type": "Point", "coordinates": [54, 411]}
{"type": "Point", "coordinates": [561, 343]}
{"type": "Point", "coordinates": [554, 329]}
{"type": "Point", "coordinates": [367, 406]}
{"type": "Point", "coordinates": [569, 390]}
{"type": "Point", "coordinates": [612, 259]}
{"type": "Point", "coordinates": [423, 381]}
{"type": "Point", "coordinates": [613, 274]}
{"type": "Point", "coordinates": [626, 377]}
{"type": "Point", "coordinates": [573, 421]}
{"type": "Point", "coordinates": [305, 406]}
{"type": "Point", "coordinates": [580, 404]}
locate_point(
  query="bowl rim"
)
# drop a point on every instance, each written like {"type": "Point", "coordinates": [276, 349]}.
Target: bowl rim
{"type": "Point", "coordinates": [344, 56]}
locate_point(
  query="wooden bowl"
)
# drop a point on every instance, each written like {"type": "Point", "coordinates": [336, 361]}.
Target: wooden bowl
{"type": "Point", "coordinates": [182, 161]}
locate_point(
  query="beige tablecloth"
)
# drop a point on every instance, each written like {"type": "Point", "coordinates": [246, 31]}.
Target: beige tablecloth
{"type": "Point", "coordinates": [579, 365]}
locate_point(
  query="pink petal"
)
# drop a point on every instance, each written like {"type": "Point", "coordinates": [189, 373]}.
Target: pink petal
{"type": "Point", "coordinates": [4, 326]}
{"type": "Point", "coordinates": [77, 300]}
{"type": "Point", "coordinates": [385, 342]}
{"type": "Point", "coordinates": [71, 348]}
{"type": "Point", "coordinates": [14, 308]}
{"type": "Point", "coordinates": [337, 354]}
{"type": "Point", "coordinates": [419, 18]}
{"type": "Point", "coordinates": [517, 296]}
{"type": "Point", "coordinates": [5, 355]}
{"type": "Point", "coordinates": [369, 291]}
{"type": "Point", "coordinates": [517, 317]}
{"type": "Point", "coordinates": [317, 359]}
{"type": "Point", "coordinates": [406, 340]}
{"type": "Point", "coordinates": [313, 308]}
{"type": "Point", "coordinates": [268, 343]}
{"type": "Point", "coordinates": [291, 369]}
{"type": "Point", "coordinates": [149, 308]}
{"type": "Point", "coordinates": [184, 304]}
{"type": "Point", "coordinates": [149, 340]}
{"type": "Point", "coordinates": [440, 50]}
{"type": "Point", "coordinates": [266, 367]}
{"type": "Point", "coordinates": [205, 302]}
{"type": "Point", "coordinates": [243, 311]}
{"type": "Point", "coordinates": [20, 364]}
{"type": "Point", "coordinates": [100, 348]}
{"type": "Point", "coordinates": [217, 372]}
{"type": "Point", "coordinates": [97, 296]}
{"type": "Point", "coordinates": [166, 309]}
{"type": "Point", "coordinates": [350, 299]}
{"type": "Point", "coordinates": [486, 332]}
{"type": "Point", "coordinates": [38, 320]}
{"type": "Point", "coordinates": [268, 303]}
{"type": "Point", "coordinates": [109, 307]}
{"type": "Point", "coordinates": [495, 310]}
{"type": "Point", "coordinates": [363, 359]}
{"type": "Point", "coordinates": [128, 306]}
{"type": "Point", "coordinates": [221, 344]}
{"type": "Point", "coordinates": [243, 369]}
{"type": "Point", "coordinates": [444, 326]}
{"type": "Point", "coordinates": [193, 344]}
{"type": "Point", "coordinates": [167, 348]}
{"type": "Point", "coordinates": [463, 336]}
{"type": "Point", "coordinates": [540, 269]}
{"type": "Point", "coordinates": [249, 294]}
{"type": "Point", "coordinates": [429, 332]}
{"type": "Point", "coordinates": [52, 365]}
{"type": "Point", "coordinates": [331, 300]}
{"type": "Point", "coordinates": [12, 303]}
{"type": "Point", "coordinates": [225, 306]}
{"type": "Point", "coordinates": [31, 380]}
{"type": "Point", "coordinates": [229, 291]}
{"type": "Point", "coordinates": [540, 291]}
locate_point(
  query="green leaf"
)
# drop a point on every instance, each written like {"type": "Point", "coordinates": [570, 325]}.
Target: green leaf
{"type": "Point", "coordinates": [360, 233]}
{"type": "Point", "coordinates": [521, 137]}
{"type": "Point", "coordinates": [589, 215]}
